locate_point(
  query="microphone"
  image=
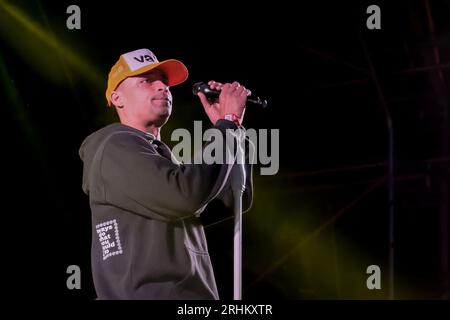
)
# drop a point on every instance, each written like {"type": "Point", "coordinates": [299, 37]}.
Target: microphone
{"type": "Point", "coordinates": [212, 94]}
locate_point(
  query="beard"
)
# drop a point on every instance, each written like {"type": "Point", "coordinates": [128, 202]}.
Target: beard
{"type": "Point", "coordinates": [162, 113]}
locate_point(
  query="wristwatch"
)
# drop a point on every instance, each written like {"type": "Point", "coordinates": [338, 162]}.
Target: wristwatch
{"type": "Point", "coordinates": [233, 117]}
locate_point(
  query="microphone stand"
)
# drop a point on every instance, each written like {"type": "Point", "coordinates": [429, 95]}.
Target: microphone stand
{"type": "Point", "coordinates": [238, 178]}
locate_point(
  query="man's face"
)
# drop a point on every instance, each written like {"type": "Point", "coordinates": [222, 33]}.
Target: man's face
{"type": "Point", "coordinates": [146, 98]}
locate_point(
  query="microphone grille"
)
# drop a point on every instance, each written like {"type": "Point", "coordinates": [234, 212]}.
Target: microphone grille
{"type": "Point", "coordinates": [197, 87]}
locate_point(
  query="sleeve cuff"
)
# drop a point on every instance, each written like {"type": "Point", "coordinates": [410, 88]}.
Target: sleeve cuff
{"type": "Point", "coordinates": [226, 124]}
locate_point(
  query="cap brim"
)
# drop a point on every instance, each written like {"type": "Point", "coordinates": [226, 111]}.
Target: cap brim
{"type": "Point", "coordinates": [175, 71]}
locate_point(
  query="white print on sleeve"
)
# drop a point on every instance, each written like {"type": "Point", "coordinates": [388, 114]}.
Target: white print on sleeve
{"type": "Point", "coordinates": [108, 235]}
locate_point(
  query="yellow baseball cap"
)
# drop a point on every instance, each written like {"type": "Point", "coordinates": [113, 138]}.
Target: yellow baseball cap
{"type": "Point", "coordinates": [141, 61]}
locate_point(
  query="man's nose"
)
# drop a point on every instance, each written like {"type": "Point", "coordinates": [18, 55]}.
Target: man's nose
{"type": "Point", "coordinates": [161, 86]}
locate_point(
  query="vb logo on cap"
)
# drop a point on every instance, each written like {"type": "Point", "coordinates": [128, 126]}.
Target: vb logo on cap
{"type": "Point", "coordinates": [141, 61]}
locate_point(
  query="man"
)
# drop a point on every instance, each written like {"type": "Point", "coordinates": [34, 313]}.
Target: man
{"type": "Point", "coordinates": [147, 238]}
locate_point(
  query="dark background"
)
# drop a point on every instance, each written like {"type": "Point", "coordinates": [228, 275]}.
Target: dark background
{"type": "Point", "coordinates": [315, 226]}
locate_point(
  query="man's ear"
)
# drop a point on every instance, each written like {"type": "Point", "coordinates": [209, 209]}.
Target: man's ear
{"type": "Point", "coordinates": [117, 99]}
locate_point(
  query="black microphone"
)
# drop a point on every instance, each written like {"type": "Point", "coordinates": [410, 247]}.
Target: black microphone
{"type": "Point", "coordinates": [213, 94]}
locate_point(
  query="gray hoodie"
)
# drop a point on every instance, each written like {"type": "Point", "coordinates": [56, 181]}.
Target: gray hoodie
{"type": "Point", "coordinates": [147, 238]}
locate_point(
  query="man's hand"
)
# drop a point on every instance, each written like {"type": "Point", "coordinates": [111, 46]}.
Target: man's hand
{"type": "Point", "coordinates": [232, 100]}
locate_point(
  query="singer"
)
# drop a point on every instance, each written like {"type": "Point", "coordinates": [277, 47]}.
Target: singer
{"type": "Point", "coordinates": [147, 238]}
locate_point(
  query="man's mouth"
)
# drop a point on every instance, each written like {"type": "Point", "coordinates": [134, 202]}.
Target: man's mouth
{"type": "Point", "coordinates": [162, 99]}
{"type": "Point", "coordinates": [163, 102]}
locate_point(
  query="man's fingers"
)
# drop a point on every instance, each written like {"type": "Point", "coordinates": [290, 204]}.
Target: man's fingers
{"type": "Point", "coordinates": [244, 93]}
{"type": "Point", "coordinates": [229, 87]}
{"type": "Point", "coordinates": [242, 90]}
{"type": "Point", "coordinates": [226, 87]}
{"type": "Point", "coordinates": [215, 85]}
{"type": "Point", "coordinates": [203, 99]}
